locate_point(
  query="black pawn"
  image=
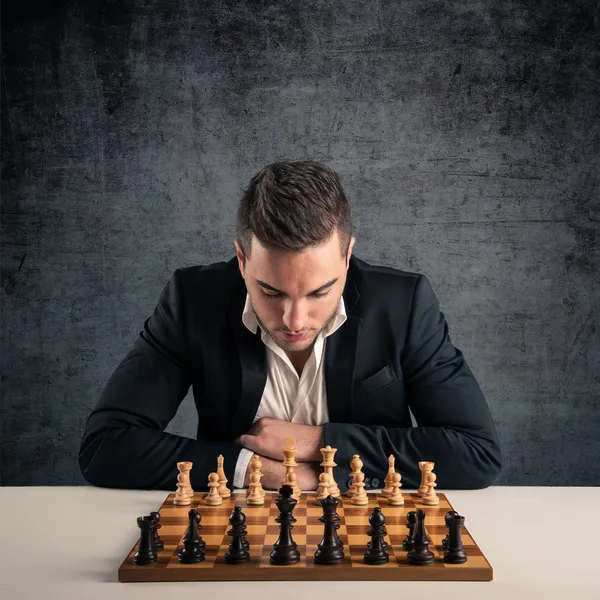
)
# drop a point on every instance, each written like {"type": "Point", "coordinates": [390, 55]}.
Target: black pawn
{"type": "Point", "coordinates": [330, 550]}
{"type": "Point", "coordinates": [447, 519]}
{"type": "Point", "coordinates": [237, 553]}
{"type": "Point", "coordinates": [193, 550]}
{"type": "Point", "coordinates": [376, 553]}
{"type": "Point", "coordinates": [198, 520]}
{"type": "Point", "coordinates": [158, 543]}
{"type": "Point", "coordinates": [285, 550]}
{"type": "Point", "coordinates": [146, 553]}
{"type": "Point", "coordinates": [411, 524]}
{"type": "Point", "coordinates": [420, 554]}
{"type": "Point", "coordinates": [455, 553]}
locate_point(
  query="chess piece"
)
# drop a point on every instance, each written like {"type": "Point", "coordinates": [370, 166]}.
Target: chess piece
{"type": "Point", "coordinates": [323, 487]}
{"type": "Point", "coordinates": [293, 482]}
{"type": "Point", "coordinates": [420, 554]}
{"type": "Point", "coordinates": [223, 490]}
{"type": "Point", "coordinates": [256, 495]}
{"type": "Point", "coordinates": [158, 543]}
{"type": "Point", "coordinates": [198, 520]}
{"type": "Point", "coordinates": [194, 546]}
{"type": "Point", "coordinates": [387, 490]}
{"type": "Point", "coordinates": [285, 550]}
{"type": "Point", "coordinates": [430, 497]}
{"type": "Point", "coordinates": [184, 493]}
{"type": "Point", "coordinates": [425, 467]}
{"type": "Point", "coordinates": [356, 464]}
{"type": "Point", "coordinates": [237, 553]}
{"type": "Point", "coordinates": [146, 553]}
{"type": "Point", "coordinates": [256, 466]}
{"type": "Point", "coordinates": [289, 451]}
{"type": "Point", "coordinates": [328, 463]}
{"type": "Point", "coordinates": [395, 498]}
{"type": "Point", "coordinates": [360, 497]}
{"type": "Point", "coordinates": [447, 520]}
{"type": "Point", "coordinates": [411, 524]}
{"type": "Point", "coordinates": [455, 553]}
{"type": "Point", "coordinates": [329, 550]}
{"type": "Point", "coordinates": [376, 553]}
{"type": "Point", "coordinates": [213, 498]}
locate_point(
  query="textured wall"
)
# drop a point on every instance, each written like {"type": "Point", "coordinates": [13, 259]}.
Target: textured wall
{"type": "Point", "coordinates": [466, 134]}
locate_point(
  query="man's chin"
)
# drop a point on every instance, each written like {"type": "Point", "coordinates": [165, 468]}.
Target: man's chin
{"type": "Point", "coordinates": [290, 346]}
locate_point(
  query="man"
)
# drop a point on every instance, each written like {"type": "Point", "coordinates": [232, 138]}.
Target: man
{"type": "Point", "coordinates": [294, 337]}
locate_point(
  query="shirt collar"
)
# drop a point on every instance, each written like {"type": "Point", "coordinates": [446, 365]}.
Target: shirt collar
{"type": "Point", "coordinates": [251, 322]}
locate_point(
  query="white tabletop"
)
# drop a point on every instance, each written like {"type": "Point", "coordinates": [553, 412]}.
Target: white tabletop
{"type": "Point", "coordinates": [68, 542]}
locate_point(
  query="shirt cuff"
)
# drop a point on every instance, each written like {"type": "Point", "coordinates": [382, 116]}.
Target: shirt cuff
{"type": "Point", "coordinates": [241, 466]}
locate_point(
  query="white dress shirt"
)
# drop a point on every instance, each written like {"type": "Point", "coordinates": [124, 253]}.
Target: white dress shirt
{"type": "Point", "coordinates": [287, 396]}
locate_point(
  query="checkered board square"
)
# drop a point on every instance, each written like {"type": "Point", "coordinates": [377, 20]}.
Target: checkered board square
{"type": "Point", "coordinates": [307, 532]}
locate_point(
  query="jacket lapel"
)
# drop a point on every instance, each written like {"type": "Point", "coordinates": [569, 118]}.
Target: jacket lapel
{"type": "Point", "coordinates": [340, 357]}
{"type": "Point", "coordinates": [252, 358]}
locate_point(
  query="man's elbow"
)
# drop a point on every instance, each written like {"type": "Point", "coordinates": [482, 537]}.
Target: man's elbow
{"type": "Point", "coordinates": [487, 467]}
{"type": "Point", "coordinates": [97, 460]}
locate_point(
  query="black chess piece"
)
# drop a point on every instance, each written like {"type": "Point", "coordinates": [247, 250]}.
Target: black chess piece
{"type": "Point", "coordinates": [158, 543]}
{"type": "Point", "coordinates": [375, 483]}
{"type": "Point", "coordinates": [198, 520]}
{"type": "Point", "coordinates": [285, 550]}
{"type": "Point", "coordinates": [193, 551]}
{"type": "Point", "coordinates": [367, 482]}
{"type": "Point", "coordinates": [237, 553]}
{"type": "Point", "coordinates": [420, 554]}
{"type": "Point", "coordinates": [447, 520]}
{"type": "Point", "coordinates": [383, 542]}
{"type": "Point", "coordinates": [376, 553]}
{"type": "Point", "coordinates": [146, 553]}
{"type": "Point", "coordinates": [329, 550]}
{"type": "Point", "coordinates": [455, 553]}
{"type": "Point", "coordinates": [411, 524]}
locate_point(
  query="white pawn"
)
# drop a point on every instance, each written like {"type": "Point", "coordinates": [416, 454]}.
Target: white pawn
{"type": "Point", "coordinates": [213, 498]}
{"type": "Point", "coordinates": [323, 487]}
{"type": "Point", "coordinates": [256, 466]}
{"type": "Point", "coordinates": [395, 498]}
{"type": "Point", "coordinates": [256, 497]}
{"type": "Point", "coordinates": [430, 497]}
{"type": "Point", "coordinates": [182, 496]}
{"type": "Point", "coordinates": [291, 480]}
{"type": "Point", "coordinates": [359, 497]}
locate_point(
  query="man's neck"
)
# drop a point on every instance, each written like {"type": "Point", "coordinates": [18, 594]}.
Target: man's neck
{"type": "Point", "coordinates": [299, 359]}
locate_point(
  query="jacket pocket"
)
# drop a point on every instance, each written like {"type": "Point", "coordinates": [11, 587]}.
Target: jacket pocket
{"type": "Point", "coordinates": [377, 381]}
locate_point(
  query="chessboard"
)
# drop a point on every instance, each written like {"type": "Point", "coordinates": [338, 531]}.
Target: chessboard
{"type": "Point", "coordinates": [307, 532]}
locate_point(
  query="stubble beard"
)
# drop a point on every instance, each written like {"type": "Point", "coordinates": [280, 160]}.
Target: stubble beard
{"type": "Point", "coordinates": [291, 347]}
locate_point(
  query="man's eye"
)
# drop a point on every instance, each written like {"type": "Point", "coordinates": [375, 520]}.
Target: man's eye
{"type": "Point", "coordinates": [276, 295]}
{"type": "Point", "coordinates": [279, 295]}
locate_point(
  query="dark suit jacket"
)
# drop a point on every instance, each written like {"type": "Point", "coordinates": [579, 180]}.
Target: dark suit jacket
{"type": "Point", "coordinates": [393, 353]}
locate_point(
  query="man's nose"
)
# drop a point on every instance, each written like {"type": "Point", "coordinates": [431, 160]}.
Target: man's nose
{"type": "Point", "coordinates": [294, 317]}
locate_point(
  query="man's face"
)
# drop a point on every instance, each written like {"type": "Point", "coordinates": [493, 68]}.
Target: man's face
{"type": "Point", "coordinates": [295, 294]}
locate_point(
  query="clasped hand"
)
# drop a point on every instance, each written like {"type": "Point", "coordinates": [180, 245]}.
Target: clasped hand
{"type": "Point", "coordinates": [265, 438]}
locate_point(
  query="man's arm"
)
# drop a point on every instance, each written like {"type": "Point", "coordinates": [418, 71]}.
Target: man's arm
{"type": "Point", "coordinates": [455, 428]}
{"type": "Point", "coordinates": [124, 445]}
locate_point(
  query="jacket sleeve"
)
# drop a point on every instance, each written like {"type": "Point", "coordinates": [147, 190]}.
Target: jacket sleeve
{"type": "Point", "coordinates": [124, 444]}
{"type": "Point", "coordinates": [454, 426]}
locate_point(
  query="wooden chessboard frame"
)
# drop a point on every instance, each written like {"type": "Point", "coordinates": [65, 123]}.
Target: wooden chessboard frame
{"type": "Point", "coordinates": [262, 533]}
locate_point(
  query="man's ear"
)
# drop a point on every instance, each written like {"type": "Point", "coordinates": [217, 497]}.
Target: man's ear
{"type": "Point", "coordinates": [239, 253]}
{"type": "Point", "coordinates": [350, 246]}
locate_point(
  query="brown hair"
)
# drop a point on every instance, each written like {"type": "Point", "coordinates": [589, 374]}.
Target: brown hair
{"type": "Point", "coordinates": [293, 205]}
